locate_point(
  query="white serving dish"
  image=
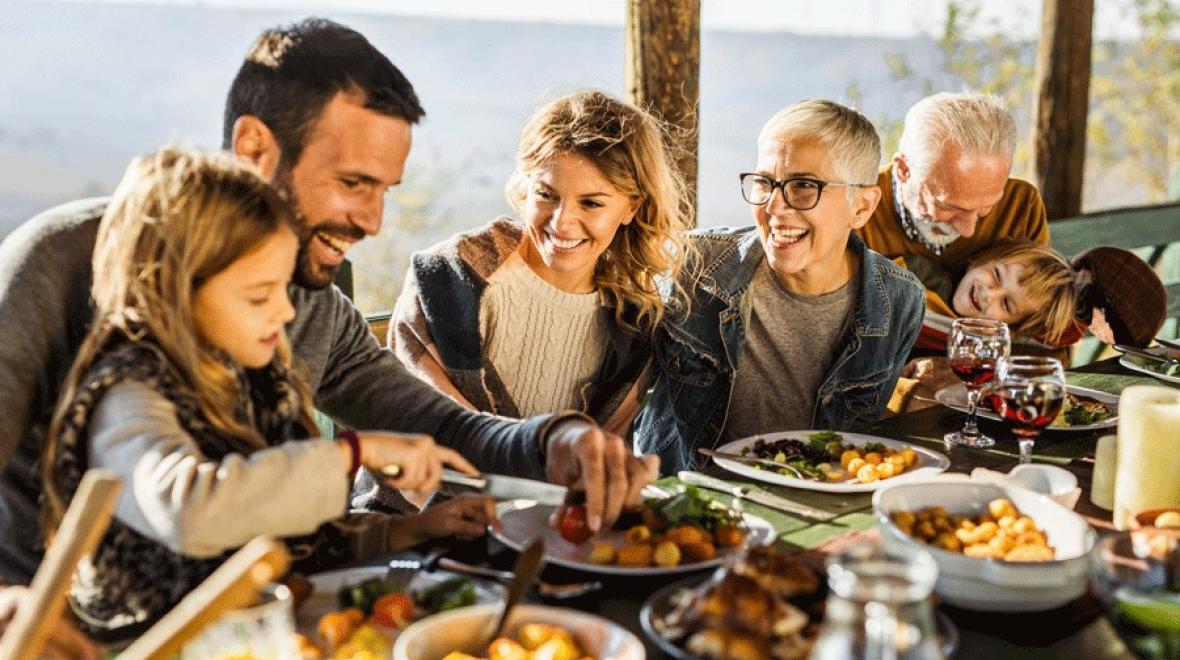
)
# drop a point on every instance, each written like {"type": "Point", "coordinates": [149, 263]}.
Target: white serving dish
{"type": "Point", "coordinates": [1136, 363]}
{"type": "Point", "coordinates": [986, 584]}
{"type": "Point", "coordinates": [930, 463]}
{"type": "Point", "coordinates": [466, 628]}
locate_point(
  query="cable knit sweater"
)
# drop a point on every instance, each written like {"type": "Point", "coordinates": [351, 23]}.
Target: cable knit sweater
{"type": "Point", "coordinates": [544, 342]}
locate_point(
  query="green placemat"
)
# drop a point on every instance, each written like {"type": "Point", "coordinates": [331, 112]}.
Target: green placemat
{"type": "Point", "coordinates": [820, 533]}
{"type": "Point", "coordinates": [1109, 383]}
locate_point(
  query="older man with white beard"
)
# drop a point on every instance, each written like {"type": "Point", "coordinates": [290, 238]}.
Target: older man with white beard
{"type": "Point", "coordinates": [947, 193]}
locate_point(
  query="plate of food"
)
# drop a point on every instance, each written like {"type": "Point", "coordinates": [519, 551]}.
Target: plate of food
{"type": "Point", "coordinates": [1165, 371]}
{"type": "Point", "coordinates": [1083, 410]}
{"type": "Point", "coordinates": [352, 611]}
{"type": "Point", "coordinates": [677, 534]}
{"type": "Point", "coordinates": [829, 461]}
{"type": "Point", "coordinates": [768, 604]}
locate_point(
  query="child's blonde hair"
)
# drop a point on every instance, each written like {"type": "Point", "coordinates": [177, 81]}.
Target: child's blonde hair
{"type": "Point", "coordinates": [176, 219]}
{"type": "Point", "coordinates": [630, 148]}
{"type": "Point", "coordinates": [1049, 281]}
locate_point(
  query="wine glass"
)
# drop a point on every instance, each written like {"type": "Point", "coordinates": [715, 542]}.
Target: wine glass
{"type": "Point", "coordinates": [1027, 394]}
{"type": "Point", "coordinates": [973, 347]}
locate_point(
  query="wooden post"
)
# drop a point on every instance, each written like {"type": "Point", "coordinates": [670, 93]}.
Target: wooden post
{"type": "Point", "coordinates": [1063, 89]}
{"type": "Point", "coordinates": [663, 73]}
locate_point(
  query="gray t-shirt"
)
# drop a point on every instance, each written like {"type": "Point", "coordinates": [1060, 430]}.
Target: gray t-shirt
{"type": "Point", "coordinates": [790, 343]}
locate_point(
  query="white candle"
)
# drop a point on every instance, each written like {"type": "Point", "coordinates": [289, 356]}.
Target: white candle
{"type": "Point", "coordinates": [1148, 473]}
{"type": "Point", "coordinates": [1105, 463]}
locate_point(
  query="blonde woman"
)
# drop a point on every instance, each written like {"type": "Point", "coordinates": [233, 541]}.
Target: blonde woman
{"type": "Point", "coordinates": [555, 311]}
{"type": "Point", "coordinates": [186, 389]}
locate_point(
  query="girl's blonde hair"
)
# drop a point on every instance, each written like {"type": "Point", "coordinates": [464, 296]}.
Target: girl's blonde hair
{"type": "Point", "coordinates": [631, 149]}
{"type": "Point", "coordinates": [176, 219]}
{"type": "Point", "coordinates": [1049, 281]}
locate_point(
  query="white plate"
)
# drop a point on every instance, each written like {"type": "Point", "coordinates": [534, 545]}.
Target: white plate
{"type": "Point", "coordinates": [522, 523]}
{"type": "Point", "coordinates": [955, 396]}
{"type": "Point", "coordinates": [1139, 364]}
{"type": "Point", "coordinates": [930, 463]}
{"type": "Point", "coordinates": [325, 585]}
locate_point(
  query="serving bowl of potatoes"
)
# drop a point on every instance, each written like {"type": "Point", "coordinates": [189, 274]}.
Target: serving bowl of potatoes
{"type": "Point", "coordinates": [997, 548]}
{"type": "Point", "coordinates": [465, 632]}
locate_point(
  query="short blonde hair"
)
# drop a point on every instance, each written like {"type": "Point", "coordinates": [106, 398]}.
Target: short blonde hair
{"type": "Point", "coordinates": [851, 139]}
{"type": "Point", "coordinates": [630, 148]}
{"type": "Point", "coordinates": [978, 124]}
{"type": "Point", "coordinates": [1049, 281]}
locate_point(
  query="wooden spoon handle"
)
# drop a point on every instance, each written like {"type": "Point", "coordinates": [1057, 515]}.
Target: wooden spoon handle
{"type": "Point", "coordinates": [81, 528]}
{"type": "Point", "coordinates": [233, 585]}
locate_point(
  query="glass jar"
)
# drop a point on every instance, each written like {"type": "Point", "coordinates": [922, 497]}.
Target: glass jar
{"type": "Point", "coordinates": [879, 607]}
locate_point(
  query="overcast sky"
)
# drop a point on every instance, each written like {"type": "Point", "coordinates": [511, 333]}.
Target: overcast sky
{"type": "Point", "coordinates": [894, 18]}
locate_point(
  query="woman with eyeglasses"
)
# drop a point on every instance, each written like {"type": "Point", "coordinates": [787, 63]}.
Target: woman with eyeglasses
{"type": "Point", "coordinates": [555, 311]}
{"type": "Point", "coordinates": [792, 323]}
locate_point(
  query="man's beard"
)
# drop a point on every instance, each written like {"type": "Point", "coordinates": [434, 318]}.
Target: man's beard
{"type": "Point", "coordinates": [933, 232]}
{"type": "Point", "coordinates": [308, 274]}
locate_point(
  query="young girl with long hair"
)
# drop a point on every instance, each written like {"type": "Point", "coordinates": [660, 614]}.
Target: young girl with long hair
{"type": "Point", "coordinates": [185, 387]}
{"type": "Point", "coordinates": [555, 311]}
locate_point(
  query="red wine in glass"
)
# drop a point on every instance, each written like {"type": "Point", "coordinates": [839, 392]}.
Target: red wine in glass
{"type": "Point", "coordinates": [1028, 409]}
{"type": "Point", "coordinates": [974, 371]}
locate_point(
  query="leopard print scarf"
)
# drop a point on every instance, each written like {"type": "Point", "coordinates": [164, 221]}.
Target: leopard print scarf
{"type": "Point", "coordinates": [130, 581]}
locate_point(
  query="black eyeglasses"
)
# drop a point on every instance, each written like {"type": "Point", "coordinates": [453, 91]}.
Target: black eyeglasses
{"type": "Point", "coordinates": [800, 193]}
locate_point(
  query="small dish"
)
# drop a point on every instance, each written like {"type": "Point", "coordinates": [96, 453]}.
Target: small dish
{"type": "Point", "coordinates": [1058, 484]}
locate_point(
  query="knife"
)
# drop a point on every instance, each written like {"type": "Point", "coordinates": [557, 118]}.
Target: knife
{"type": "Point", "coordinates": [754, 460]}
{"type": "Point", "coordinates": [501, 487]}
{"type": "Point", "coordinates": [1131, 350]}
{"type": "Point", "coordinates": [765, 499]}
{"type": "Point", "coordinates": [1168, 343]}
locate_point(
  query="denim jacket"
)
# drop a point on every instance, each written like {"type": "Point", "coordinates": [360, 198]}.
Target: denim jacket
{"type": "Point", "coordinates": [696, 357]}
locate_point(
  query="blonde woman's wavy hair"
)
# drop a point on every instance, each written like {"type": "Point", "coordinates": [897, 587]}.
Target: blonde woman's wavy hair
{"type": "Point", "coordinates": [1047, 278]}
{"type": "Point", "coordinates": [631, 149]}
{"type": "Point", "coordinates": [176, 219]}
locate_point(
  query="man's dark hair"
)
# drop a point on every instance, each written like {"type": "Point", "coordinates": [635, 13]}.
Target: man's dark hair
{"type": "Point", "coordinates": [292, 72]}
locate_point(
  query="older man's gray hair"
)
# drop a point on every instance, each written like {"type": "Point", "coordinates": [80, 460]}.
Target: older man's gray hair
{"type": "Point", "coordinates": [978, 124]}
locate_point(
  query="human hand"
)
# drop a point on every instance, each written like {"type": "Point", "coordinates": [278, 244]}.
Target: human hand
{"type": "Point", "coordinates": [65, 641]}
{"type": "Point", "coordinates": [932, 375]}
{"type": "Point", "coordinates": [580, 454]}
{"type": "Point", "coordinates": [409, 462]}
{"type": "Point", "coordinates": [465, 516]}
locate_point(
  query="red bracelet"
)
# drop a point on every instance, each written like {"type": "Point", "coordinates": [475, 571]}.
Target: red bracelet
{"type": "Point", "coordinates": [354, 448]}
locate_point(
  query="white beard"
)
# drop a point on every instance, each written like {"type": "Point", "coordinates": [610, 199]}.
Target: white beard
{"type": "Point", "coordinates": [936, 233]}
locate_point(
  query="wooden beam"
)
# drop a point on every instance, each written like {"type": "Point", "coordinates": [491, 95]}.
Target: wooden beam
{"type": "Point", "coordinates": [1062, 102]}
{"type": "Point", "coordinates": [663, 73]}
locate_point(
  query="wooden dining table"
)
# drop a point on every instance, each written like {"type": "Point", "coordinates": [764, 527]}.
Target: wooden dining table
{"type": "Point", "coordinates": [1077, 630]}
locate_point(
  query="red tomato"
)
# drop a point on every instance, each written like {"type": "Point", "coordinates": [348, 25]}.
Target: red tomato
{"type": "Point", "coordinates": [393, 610]}
{"type": "Point", "coordinates": [573, 524]}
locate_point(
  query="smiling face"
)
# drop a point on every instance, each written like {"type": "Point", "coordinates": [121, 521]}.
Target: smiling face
{"type": "Point", "coordinates": [353, 155]}
{"type": "Point", "coordinates": [958, 190]}
{"type": "Point", "coordinates": [242, 309]}
{"type": "Point", "coordinates": [994, 290]}
{"type": "Point", "coordinates": [808, 250]}
{"type": "Point", "coordinates": [572, 214]}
